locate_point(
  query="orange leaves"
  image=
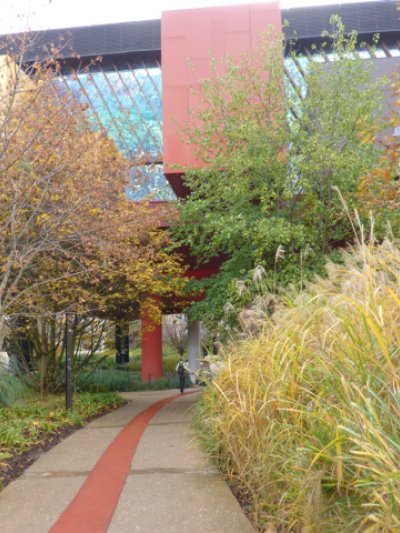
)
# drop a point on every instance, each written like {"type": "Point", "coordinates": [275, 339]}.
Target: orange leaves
{"type": "Point", "coordinates": [379, 192]}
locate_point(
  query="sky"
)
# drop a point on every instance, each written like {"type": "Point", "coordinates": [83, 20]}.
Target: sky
{"type": "Point", "coordinates": [21, 15]}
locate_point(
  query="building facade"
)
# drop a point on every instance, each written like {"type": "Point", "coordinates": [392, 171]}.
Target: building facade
{"type": "Point", "coordinates": [140, 88]}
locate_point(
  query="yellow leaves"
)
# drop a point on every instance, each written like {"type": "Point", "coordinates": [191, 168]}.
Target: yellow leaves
{"type": "Point", "coordinates": [67, 185]}
{"type": "Point", "coordinates": [42, 218]}
{"type": "Point", "coordinates": [367, 138]}
{"type": "Point", "coordinates": [379, 191]}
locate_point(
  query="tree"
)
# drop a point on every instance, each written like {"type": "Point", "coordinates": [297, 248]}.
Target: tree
{"type": "Point", "coordinates": [69, 237]}
{"type": "Point", "coordinates": [328, 149]}
{"type": "Point", "coordinates": [39, 346]}
{"type": "Point", "coordinates": [271, 158]}
{"type": "Point", "coordinates": [378, 192]}
{"type": "Point", "coordinates": [175, 332]}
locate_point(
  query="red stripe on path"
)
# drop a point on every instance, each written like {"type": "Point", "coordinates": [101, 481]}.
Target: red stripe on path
{"type": "Point", "coordinates": [93, 506]}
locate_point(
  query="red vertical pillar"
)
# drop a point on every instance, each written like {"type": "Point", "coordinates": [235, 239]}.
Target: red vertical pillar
{"type": "Point", "coordinates": [152, 367]}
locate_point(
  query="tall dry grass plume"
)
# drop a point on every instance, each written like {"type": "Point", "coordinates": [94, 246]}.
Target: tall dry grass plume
{"type": "Point", "coordinates": [305, 417]}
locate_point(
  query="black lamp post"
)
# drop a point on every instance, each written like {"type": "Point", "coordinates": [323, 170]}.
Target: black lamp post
{"type": "Point", "coordinates": [68, 360]}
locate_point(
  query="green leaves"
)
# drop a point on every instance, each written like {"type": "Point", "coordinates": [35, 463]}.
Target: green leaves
{"type": "Point", "coordinates": [267, 179]}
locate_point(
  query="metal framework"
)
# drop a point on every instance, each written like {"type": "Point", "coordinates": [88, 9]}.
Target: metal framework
{"type": "Point", "coordinates": [115, 70]}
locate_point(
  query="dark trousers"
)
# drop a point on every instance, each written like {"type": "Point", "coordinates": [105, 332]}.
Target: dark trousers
{"type": "Point", "coordinates": [182, 383]}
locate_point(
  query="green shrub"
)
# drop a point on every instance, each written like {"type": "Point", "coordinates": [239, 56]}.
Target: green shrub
{"type": "Point", "coordinates": [121, 381]}
{"type": "Point", "coordinates": [106, 381]}
{"type": "Point", "coordinates": [98, 387]}
{"type": "Point", "coordinates": [168, 382]}
{"type": "Point", "coordinates": [134, 365]}
{"type": "Point", "coordinates": [24, 424]}
{"type": "Point", "coordinates": [170, 361]}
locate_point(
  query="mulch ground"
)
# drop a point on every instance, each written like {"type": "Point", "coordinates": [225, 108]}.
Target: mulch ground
{"type": "Point", "coordinates": [16, 465]}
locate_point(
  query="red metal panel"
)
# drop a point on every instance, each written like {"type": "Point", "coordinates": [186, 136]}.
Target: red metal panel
{"type": "Point", "coordinates": [191, 36]}
{"type": "Point", "coordinates": [264, 17]}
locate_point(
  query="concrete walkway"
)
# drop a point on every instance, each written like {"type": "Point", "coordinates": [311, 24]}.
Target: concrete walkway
{"type": "Point", "coordinates": [137, 469]}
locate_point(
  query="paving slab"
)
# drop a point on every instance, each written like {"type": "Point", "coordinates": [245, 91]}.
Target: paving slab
{"type": "Point", "coordinates": [168, 472]}
{"type": "Point", "coordinates": [32, 504]}
{"type": "Point", "coordinates": [172, 486]}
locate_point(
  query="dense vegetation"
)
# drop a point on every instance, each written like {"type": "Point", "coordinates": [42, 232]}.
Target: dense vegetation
{"type": "Point", "coordinates": [305, 417]}
{"type": "Point", "coordinates": [120, 378]}
{"type": "Point", "coordinates": [270, 162]}
{"type": "Point", "coordinates": [70, 238]}
{"type": "Point", "coordinates": [35, 423]}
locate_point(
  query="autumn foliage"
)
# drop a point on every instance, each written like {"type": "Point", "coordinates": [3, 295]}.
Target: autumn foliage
{"type": "Point", "coordinates": [69, 237]}
{"type": "Point", "coordinates": [379, 191]}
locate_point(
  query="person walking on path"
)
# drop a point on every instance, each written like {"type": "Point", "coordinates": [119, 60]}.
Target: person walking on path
{"type": "Point", "coordinates": [183, 370]}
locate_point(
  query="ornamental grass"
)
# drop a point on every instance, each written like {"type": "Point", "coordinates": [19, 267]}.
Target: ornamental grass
{"type": "Point", "coordinates": [305, 416]}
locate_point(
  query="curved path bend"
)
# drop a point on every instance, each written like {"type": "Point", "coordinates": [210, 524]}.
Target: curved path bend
{"type": "Point", "coordinates": [137, 469]}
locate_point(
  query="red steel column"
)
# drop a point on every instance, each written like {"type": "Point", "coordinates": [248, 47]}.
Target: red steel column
{"type": "Point", "coordinates": [152, 366]}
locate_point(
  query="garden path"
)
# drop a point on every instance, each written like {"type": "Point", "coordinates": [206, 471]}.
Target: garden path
{"type": "Point", "coordinates": [137, 469]}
